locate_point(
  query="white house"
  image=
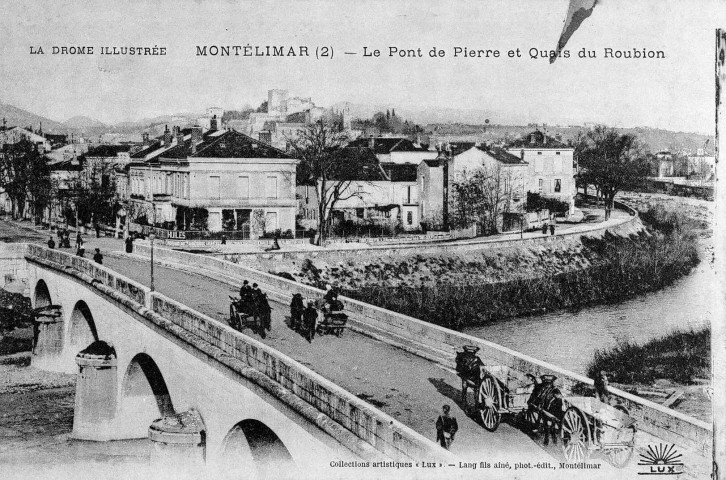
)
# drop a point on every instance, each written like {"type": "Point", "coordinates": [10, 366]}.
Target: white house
{"type": "Point", "coordinates": [552, 167]}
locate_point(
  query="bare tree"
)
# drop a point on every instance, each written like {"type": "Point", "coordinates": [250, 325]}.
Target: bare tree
{"type": "Point", "coordinates": [332, 168]}
{"type": "Point", "coordinates": [482, 195]}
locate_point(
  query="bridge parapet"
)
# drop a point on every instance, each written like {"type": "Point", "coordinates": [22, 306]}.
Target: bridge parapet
{"type": "Point", "coordinates": [275, 371]}
{"type": "Point", "coordinates": [440, 344]}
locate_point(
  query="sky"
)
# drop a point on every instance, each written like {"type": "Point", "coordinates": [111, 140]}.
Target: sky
{"type": "Point", "coordinates": [676, 93]}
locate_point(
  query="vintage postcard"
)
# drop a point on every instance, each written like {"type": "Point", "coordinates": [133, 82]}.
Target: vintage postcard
{"type": "Point", "coordinates": [362, 239]}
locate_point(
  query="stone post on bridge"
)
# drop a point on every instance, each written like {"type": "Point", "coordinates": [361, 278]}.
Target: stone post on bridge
{"type": "Point", "coordinates": [96, 392]}
{"type": "Point", "coordinates": [179, 441]}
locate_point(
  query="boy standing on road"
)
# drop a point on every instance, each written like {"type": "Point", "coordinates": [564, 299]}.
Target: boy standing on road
{"type": "Point", "coordinates": [446, 428]}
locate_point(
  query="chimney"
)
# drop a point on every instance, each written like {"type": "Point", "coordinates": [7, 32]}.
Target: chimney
{"type": "Point", "coordinates": [145, 138]}
{"type": "Point", "coordinates": [167, 137]}
{"type": "Point", "coordinates": [196, 137]}
{"type": "Point", "coordinates": [179, 136]}
{"type": "Point", "coordinates": [213, 123]}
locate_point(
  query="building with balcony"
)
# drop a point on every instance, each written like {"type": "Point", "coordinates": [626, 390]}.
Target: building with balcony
{"type": "Point", "coordinates": [214, 180]}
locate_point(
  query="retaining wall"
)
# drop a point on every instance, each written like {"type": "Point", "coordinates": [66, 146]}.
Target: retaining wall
{"type": "Point", "coordinates": [440, 344]}
{"type": "Point", "coordinates": [372, 426]}
{"type": "Point", "coordinates": [629, 226]}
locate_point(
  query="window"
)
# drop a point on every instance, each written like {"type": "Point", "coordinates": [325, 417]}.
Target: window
{"type": "Point", "coordinates": [359, 212]}
{"type": "Point", "coordinates": [558, 185]}
{"type": "Point", "coordinates": [271, 187]}
{"type": "Point", "coordinates": [541, 185]}
{"type": "Point", "coordinates": [408, 197]}
{"type": "Point", "coordinates": [557, 153]}
{"type": "Point", "coordinates": [409, 216]}
{"type": "Point", "coordinates": [214, 187]}
{"type": "Point", "coordinates": [243, 187]}
{"type": "Point", "coordinates": [271, 221]}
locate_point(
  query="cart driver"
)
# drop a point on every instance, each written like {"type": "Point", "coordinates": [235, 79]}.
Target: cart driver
{"type": "Point", "coordinates": [331, 298]}
{"type": "Point", "coordinates": [245, 292]}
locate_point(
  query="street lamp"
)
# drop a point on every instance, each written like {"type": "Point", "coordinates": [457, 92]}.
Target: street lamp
{"type": "Point", "coordinates": [151, 238]}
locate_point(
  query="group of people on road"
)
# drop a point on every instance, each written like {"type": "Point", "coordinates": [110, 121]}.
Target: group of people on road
{"type": "Point", "coordinates": [551, 226]}
{"type": "Point", "coordinates": [65, 242]}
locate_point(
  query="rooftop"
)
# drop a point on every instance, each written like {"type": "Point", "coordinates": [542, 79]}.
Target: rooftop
{"type": "Point", "coordinates": [386, 145]}
{"type": "Point", "coordinates": [537, 139]}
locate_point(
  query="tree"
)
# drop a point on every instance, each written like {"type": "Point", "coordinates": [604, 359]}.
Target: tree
{"type": "Point", "coordinates": [612, 162]}
{"type": "Point", "coordinates": [95, 194]}
{"type": "Point", "coordinates": [40, 188]}
{"type": "Point", "coordinates": [481, 196]}
{"type": "Point", "coordinates": [332, 168]}
{"type": "Point", "coordinates": [20, 164]}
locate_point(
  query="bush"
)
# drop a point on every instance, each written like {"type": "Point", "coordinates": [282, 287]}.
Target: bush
{"type": "Point", "coordinates": [536, 202]}
{"type": "Point", "coordinates": [679, 356]}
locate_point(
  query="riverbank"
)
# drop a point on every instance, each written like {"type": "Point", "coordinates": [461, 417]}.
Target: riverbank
{"type": "Point", "coordinates": [484, 286]}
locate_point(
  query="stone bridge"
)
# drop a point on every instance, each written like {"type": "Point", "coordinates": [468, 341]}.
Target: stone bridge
{"type": "Point", "coordinates": [192, 384]}
{"type": "Point", "coordinates": [201, 391]}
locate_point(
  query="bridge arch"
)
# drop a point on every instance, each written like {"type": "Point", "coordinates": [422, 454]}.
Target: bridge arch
{"type": "Point", "coordinates": [252, 445]}
{"type": "Point", "coordinates": [82, 328]}
{"type": "Point", "coordinates": [144, 396]}
{"type": "Point", "coordinates": [41, 296]}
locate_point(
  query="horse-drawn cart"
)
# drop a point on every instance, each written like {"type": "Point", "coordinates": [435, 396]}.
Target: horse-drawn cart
{"type": "Point", "coordinates": [332, 320]}
{"type": "Point", "coordinates": [585, 424]}
{"type": "Point", "coordinates": [255, 315]}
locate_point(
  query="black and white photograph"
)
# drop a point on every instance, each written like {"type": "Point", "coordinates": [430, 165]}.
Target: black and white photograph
{"type": "Point", "coordinates": [364, 239]}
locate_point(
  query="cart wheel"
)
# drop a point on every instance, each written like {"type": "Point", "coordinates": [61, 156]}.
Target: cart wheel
{"type": "Point", "coordinates": [619, 457]}
{"type": "Point", "coordinates": [489, 403]}
{"type": "Point", "coordinates": [575, 436]}
{"type": "Point", "coordinates": [531, 418]}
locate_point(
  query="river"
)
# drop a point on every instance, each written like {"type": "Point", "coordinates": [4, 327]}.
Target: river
{"type": "Point", "coordinates": [569, 339]}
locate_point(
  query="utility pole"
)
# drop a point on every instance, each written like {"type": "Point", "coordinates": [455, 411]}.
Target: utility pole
{"type": "Point", "coordinates": [444, 156]}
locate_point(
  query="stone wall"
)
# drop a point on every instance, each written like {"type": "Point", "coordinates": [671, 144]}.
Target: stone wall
{"type": "Point", "coordinates": [629, 226]}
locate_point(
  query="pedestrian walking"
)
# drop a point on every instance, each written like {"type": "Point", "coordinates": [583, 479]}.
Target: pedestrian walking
{"type": "Point", "coordinates": [51, 243]}
{"type": "Point", "coordinates": [129, 244]}
{"type": "Point", "coordinates": [310, 319]}
{"type": "Point", "coordinates": [544, 228]}
{"type": "Point", "coordinates": [552, 228]}
{"type": "Point", "coordinates": [80, 251]}
{"type": "Point", "coordinates": [66, 239]}
{"type": "Point", "coordinates": [97, 257]}
{"type": "Point", "coordinates": [224, 239]}
{"type": "Point", "coordinates": [79, 240]}
{"type": "Point", "coordinates": [446, 428]}
{"type": "Point", "coordinates": [98, 230]}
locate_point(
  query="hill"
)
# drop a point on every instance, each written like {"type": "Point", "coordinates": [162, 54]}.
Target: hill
{"type": "Point", "coordinates": [84, 123]}
{"type": "Point", "coordinates": [15, 116]}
